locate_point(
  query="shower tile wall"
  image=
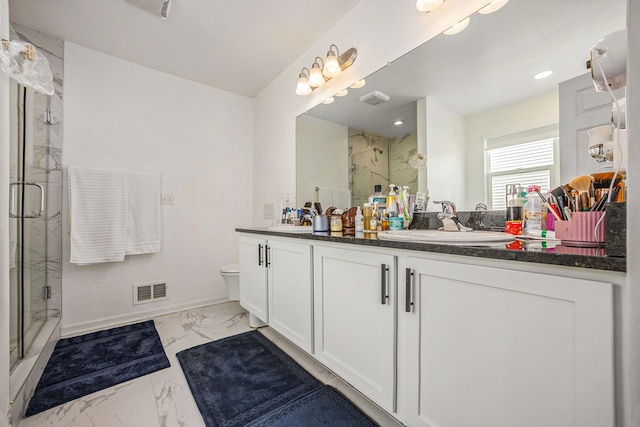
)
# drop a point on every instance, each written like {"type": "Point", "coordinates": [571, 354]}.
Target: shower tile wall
{"type": "Point", "coordinates": [376, 159]}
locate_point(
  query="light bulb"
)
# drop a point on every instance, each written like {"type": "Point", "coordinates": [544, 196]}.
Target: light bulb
{"type": "Point", "coordinates": [331, 66]}
{"type": "Point", "coordinates": [328, 100]}
{"type": "Point", "coordinates": [343, 92]}
{"type": "Point", "coordinates": [316, 79]}
{"type": "Point", "coordinates": [303, 87]}
{"type": "Point", "coordinates": [455, 29]}
{"type": "Point", "coordinates": [428, 5]}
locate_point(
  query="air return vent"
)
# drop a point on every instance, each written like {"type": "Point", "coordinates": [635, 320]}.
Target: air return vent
{"type": "Point", "coordinates": [149, 292]}
{"type": "Point", "coordinates": [374, 98]}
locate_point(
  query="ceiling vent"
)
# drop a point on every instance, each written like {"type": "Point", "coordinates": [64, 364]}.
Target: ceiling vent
{"type": "Point", "coordinates": [374, 98]}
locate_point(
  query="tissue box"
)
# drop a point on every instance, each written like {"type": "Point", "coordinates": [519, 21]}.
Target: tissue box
{"type": "Point", "coordinates": [586, 229]}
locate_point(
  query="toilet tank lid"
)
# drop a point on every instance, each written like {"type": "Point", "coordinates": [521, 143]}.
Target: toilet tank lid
{"type": "Point", "coordinates": [231, 268]}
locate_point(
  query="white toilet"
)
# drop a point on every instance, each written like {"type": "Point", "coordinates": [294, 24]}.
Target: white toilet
{"type": "Point", "coordinates": [231, 275]}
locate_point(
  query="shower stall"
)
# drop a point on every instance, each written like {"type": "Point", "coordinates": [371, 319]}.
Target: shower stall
{"type": "Point", "coordinates": [35, 222]}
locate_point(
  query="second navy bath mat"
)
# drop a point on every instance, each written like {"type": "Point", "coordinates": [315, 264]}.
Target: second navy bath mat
{"type": "Point", "coordinates": [247, 380]}
{"type": "Point", "coordinates": [88, 363]}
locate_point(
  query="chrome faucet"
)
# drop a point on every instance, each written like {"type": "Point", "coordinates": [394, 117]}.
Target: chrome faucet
{"type": "Point", "coordinates": [449, 217]}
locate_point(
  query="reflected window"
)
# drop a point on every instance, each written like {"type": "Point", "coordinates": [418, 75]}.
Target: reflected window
{"type": "Point", "coordinates": [520, 159]}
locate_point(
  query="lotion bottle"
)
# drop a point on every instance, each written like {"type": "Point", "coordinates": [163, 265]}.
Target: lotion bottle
{"type": "Point", "coordinates": [359, 220]}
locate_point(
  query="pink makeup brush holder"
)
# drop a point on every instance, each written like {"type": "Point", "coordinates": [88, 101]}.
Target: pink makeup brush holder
{"type": "Point", "coordinates": [581, 230]}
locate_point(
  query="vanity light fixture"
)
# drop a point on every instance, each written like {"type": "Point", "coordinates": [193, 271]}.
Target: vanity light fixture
{"type": "Point", "coordinates": [342, 93]}
{"type": "Point", "coordinates": [493, 6]}
{"type": "Point", "coordinates": [543, 75]}
{"type": "Point", "coordinates": [303, 87]}
{"type": "Point", "coordinates": [316, 79]}
{"type": "Point", "coordinates": [358, 84]}
{"type": "Point", "coordinates": [328, 100]}
{"type": "Point", "coordinates": [428, 5]}
{"type": "Point", "coordinates": [324, 70]}
{"type": "Point", "coordinates": [455, 29]}
{"type": "Point", "coordinates": [331, 65]}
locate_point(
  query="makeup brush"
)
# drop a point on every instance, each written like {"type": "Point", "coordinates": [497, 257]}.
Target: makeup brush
{"type": "Point", "coordinates": [581, 183]}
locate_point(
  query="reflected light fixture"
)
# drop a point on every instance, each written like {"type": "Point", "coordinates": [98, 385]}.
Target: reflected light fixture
{"type": "Point", "coordinates": [398, 123]}
{"type": "Point", "coordinates": [455, 29]}
{"type": "Point", "coordinates": [303, 87]}
{"type": "Point", "coordinates": [328, 100]}
{"type": "Point", "coordinates": [428, 5]}
{"type": "Point", "coordinates": [324, 70]}
{"type": "Point", "coordinates": [543, 75]}
{"type": "Point", "coordinates": [341, 93]}
{"type": "Point", "coordinates": [493, 6]}
{"type": "Point", "coordinates": [358, 84]}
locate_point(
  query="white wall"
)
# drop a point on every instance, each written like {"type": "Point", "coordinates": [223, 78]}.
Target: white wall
{"type": "Point", "coordinates": [323, 156]}
{"type": "Point", "coordinates": [124, 116]}
{"type": "Point", "coordinates": [4, 227]}
{"type": "Point", "coordinates": [532, 113]}
{"type": "Point", "coordinates": [445, 156]}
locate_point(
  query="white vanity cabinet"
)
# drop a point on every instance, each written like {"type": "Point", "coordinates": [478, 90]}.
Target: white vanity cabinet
{"type": "Point", "coordinates": [276, 286]}
{"type": "Point", "coordinates": [485, 346]}
{"type": "Point", "coordinates": [354, 306]}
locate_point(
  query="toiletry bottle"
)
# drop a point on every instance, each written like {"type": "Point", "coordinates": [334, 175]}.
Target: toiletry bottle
{"type": "Point", "coordinates": [392, 204]}
{"type": "Point", "coordinates": [378, 197]}
{"type": "Point", "coordinates": [359, 220]}
{"type": "Point", "coordinates": [532, 211]}
{"type": "Point", "coordinates": [367, 213]}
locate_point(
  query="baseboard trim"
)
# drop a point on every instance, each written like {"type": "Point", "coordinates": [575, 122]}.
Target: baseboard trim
{"type": "Point", "coordinates": [112, 322]}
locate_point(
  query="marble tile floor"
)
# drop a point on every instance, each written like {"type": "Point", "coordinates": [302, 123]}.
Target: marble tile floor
{"type": "Point", "coordinates": [163, 398]}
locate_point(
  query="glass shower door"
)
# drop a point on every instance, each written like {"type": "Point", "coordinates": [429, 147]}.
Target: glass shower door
{"type": "Point", "coordinates": [27, 227]}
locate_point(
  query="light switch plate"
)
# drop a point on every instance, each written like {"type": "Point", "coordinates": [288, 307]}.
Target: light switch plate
{"type": "Point", "coordinates": [268, 210]}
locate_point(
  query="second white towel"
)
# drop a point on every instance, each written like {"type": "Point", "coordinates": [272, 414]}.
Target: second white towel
{"type": "Point", "coordinates": [144, 225]}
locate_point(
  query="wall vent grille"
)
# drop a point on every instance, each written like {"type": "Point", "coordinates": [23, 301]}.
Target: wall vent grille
{"type": "Point", "coordinates": [149, 292]}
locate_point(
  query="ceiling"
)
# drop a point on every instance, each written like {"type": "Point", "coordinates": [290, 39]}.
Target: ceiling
{"type": "Point", "coordinates": [489, 65]}
{"type": "Point", "coordinates": [236, 45]}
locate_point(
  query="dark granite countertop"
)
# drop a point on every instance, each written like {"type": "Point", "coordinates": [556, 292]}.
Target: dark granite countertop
{"type": "Point", "coordinates": [594, 258]}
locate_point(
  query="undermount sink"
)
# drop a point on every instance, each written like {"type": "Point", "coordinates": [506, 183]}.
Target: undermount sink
{"type": "Point", "coordinates": [290, 228]}
{"type": "Point", "coordinates": [471, 238]}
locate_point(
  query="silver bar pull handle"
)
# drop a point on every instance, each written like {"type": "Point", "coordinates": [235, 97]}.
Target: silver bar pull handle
{"type": "Point", "coordinates": [259, 254]}
{"type": "Point", "coordinates": [13, 211]}
{"type": "Point", "coordinates": [384, 291]}
{"type": "Point", "coordinates": [13, 200]}
{"type": "Point", "coordinates": [408, 303]}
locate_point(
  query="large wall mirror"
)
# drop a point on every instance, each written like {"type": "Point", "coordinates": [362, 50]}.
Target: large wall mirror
{"type": "Point", "coordinates": [459, 96]}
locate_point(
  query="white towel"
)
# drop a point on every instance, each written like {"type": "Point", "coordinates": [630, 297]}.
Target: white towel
{"type": "Point", "coordinates": [98, 206]}
{"type": "Point", "coordinates": [338, 197]}
{"type": "Point", "coordinates": [144, 213]}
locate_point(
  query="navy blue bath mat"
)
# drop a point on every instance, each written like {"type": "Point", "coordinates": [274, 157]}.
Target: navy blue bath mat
{"type": "Point", "coordinates": [246, 378]}
{"type": "Point", "coordinates": [88, 363]}
{"type": "Point", "coordinates": [322, 407]}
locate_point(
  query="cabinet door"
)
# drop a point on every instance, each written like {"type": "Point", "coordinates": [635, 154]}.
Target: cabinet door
{"type": "Point", "coordinates": [492, 347]}
{"type": "Point", "coordinates": [290, 291]}
{"type": "Point", "coordinates": [355, 319]}
{"type": "Point", "coordinates": [253, 277]}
